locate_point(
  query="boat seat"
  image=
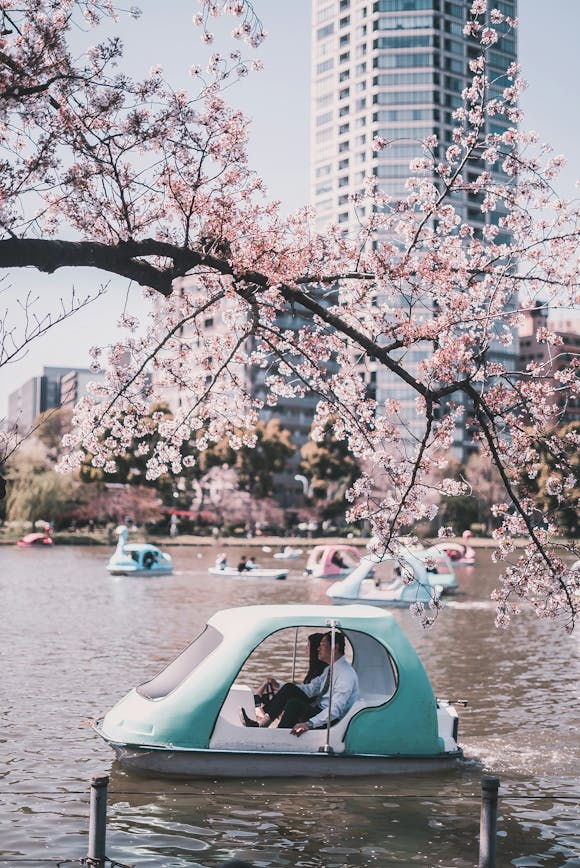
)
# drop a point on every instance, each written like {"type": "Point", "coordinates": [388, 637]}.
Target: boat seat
{"type": "Point", "coordinates": [230, 734]}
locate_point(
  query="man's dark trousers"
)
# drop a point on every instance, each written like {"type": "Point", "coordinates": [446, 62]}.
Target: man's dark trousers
{"type": "Point", "coordinates": [293, 704]}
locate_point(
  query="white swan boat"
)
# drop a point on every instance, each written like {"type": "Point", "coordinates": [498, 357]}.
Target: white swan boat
{"type": "Point", "coordinates": [387, 581]}
{"type": "Point", "coordinates": [137, 559]}
{"type": "Point", "coordinates": [288, 553]}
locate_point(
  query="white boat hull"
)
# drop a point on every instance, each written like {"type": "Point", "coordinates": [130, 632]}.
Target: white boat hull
{"type": "Point", "coordinates": [237, 764]}
{"type": "Point", "coordinates": [119, 570]}
{"type": "Point", "coordinates": [255, 573]}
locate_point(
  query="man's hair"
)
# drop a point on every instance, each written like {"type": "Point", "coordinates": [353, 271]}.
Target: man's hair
{"type": "Point", "coordinates": [339, 641]}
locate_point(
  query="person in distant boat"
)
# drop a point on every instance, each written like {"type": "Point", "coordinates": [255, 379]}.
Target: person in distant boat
{"type": "Point", "coordinates": [221, 561]}
{"type": "Point", "coordinates": [338, 561]}
{"type": "Point", "coordinates": [243, 564]}
{"type": "Point", "coordinates": [396, 575]}
{"type": "Point", "coordinates": [250, 563]}
{"type": "Point", "coordinates": [305, 706]}
{"type": "Point", "coordinates": [149, 559]}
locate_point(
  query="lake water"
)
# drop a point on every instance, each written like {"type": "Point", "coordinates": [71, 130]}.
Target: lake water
{"type": "Point", "coordinates": [74, 640]}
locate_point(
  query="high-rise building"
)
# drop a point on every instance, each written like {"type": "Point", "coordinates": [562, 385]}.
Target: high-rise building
{"type": "Point", "coordinates": [394, 69]}
{"type": "Point", "coordinates": [553, 358]}
{"type": "Point", "coordinates": [55, 387]}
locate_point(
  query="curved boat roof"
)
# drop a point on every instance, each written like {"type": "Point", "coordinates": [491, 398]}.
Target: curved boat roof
{"type": "Point", "coordinates": [259, 619]}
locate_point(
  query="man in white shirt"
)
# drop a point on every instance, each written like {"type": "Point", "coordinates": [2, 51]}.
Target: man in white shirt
{"type": "Point", "coordinates": [305, 706]}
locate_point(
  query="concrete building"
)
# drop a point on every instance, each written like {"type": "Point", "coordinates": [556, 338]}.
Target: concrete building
{"type": "Point", "coordinates": [394, 69]}
{"type": "Point", "coordinates": [54, 387]}
{"type": "Point", "coordinates": [556, 357]}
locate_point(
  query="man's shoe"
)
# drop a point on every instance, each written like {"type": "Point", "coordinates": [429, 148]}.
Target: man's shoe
{"type": "Point", "coordinates": [247, 721]}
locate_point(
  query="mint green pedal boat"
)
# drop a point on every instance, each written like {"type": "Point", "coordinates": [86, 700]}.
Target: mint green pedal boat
{"type": "Point", "coordinates": [186, 720]}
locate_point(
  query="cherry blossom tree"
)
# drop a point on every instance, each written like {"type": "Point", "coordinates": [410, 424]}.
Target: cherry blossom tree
{"type": "Point", "coordinates": [152, 184]}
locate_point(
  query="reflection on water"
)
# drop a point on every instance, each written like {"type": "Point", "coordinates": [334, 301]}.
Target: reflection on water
{"type": "Point", "coordinates": [74, 640]}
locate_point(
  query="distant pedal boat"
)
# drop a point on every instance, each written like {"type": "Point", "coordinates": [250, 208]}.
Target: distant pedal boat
{"type": "Point", "coordinates": [388, 581]}
{"type": "Point", "coordinates": [332, 561]}
{"type": "Point", "coordinates": [251, 573]}
{"type": "Point", "coordinates": [36, 540]}
{"type": "Point", "coordinates": [186, 720]}
{"type": "Point", "coordinates": [138, 559]}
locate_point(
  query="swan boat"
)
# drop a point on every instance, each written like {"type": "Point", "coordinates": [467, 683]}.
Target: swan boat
{"type": "Point", "coordinates": [288, 553]}
{"type": "Point", "coordinates": [387, 581]}
{"type": "Point", "coordinates": [186, 720]}
{"type": "Point", "coordinates": [460, 553]}
{"type": "Point", "coordinates": [37, 540]}
{"type": "Point", "coordinates": [332, 561]}
{"type": "Point", "coordinates": [438, 567]}
{"type": "Point", "coordinates": [137, 559]}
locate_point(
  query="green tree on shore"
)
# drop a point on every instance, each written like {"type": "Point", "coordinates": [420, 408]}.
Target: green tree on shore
{"type": "Point", "coordinates": [331, 469]}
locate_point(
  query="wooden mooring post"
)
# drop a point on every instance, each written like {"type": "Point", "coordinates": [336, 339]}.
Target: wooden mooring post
{"type": "Point", "coordinates": [488, 821]}
{"type": "Point", "coordinates": [96, 855]}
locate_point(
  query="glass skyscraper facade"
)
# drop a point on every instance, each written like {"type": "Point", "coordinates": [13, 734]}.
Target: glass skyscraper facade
{"type": "Point", "coordinates": [394, 69]}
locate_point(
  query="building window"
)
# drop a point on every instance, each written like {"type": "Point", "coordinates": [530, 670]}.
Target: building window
{"type": "Point", "coordinates": [405, 22]}
{"type": "Point", "coordinates": [403, 5]}
{"type": "Point", "coordinates": [324, 14]}
{"type": "Point", "coordinates": [325, 66]}
{"type": "Point", "coordinates": [325, 31]}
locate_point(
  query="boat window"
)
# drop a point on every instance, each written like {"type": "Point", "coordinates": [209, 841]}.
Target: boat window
{"type": "Point", "coordinates": [376, 669]}
{"type": "Point", "coordinates": [182, 666]}
{"type": "Point", "coordinates": [284, 655]}
{"type": "Point", "coordinates": [389, 570]}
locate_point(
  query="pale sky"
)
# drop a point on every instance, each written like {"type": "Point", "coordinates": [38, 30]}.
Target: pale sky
{"type": "Point", "coordinates": [277, 101]}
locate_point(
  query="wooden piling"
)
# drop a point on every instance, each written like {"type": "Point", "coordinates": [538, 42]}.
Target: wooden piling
{"type": "Point", "coordinates": [488, 821]}
{"type": "Point", "coordinates": [96, 855]}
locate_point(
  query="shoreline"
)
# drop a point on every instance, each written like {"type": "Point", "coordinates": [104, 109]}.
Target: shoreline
{"type": "Point", "coordinates": [276, 542]}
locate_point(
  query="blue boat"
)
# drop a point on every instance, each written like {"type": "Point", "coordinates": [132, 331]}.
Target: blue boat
{"type": "Point", "coordinates": [186, 720]}
{"type": "Point", "coordinates": [389, 581]}
{"type": "Point", "coordinates": [137, 559]}
{"type": "Point", "coordinates": [439, 568]}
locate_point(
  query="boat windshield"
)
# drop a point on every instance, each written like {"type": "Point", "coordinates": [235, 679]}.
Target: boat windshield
{"type": "Point", "coordinates": [179, 668]}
